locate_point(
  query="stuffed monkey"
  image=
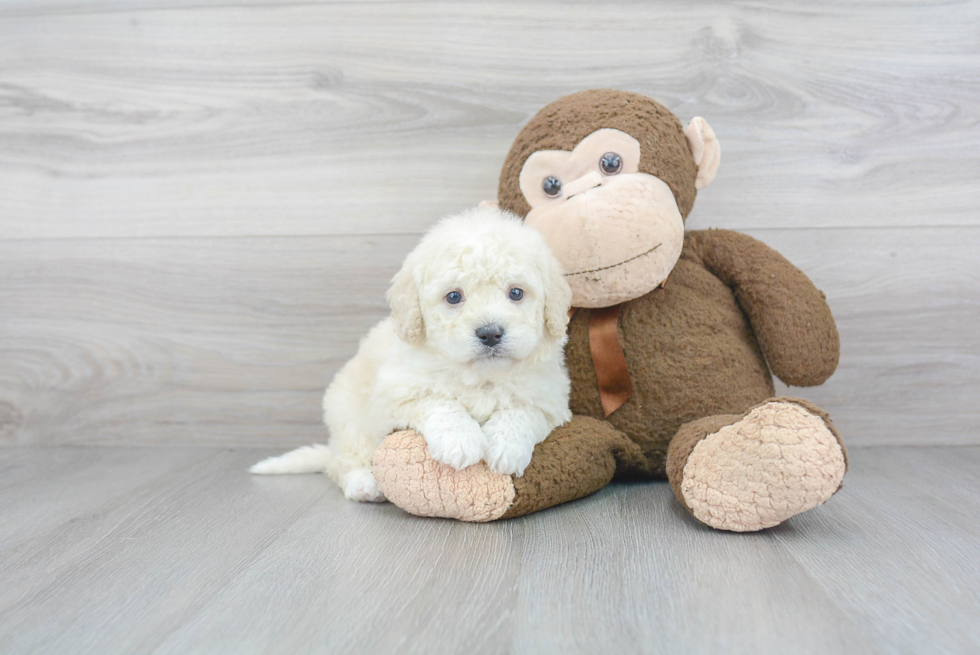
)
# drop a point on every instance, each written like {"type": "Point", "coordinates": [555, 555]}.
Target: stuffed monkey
{"type": "Point", "coordinates": [673, 341]}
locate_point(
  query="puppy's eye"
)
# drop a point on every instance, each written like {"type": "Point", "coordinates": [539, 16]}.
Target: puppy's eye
{"type": "Point", "coordinates": [551, 186]}
{"type": "Point", "coordinates": [454, 297]}
{"type": "Point", "coordinates": [611, 163]}
{"type": "Point", "coordinates": [516, 294]}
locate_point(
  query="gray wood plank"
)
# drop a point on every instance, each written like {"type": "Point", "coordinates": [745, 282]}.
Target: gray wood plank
{"type": "Point", "coordinates": [322, 118]}
{"type": "Point", "coordinates": [206, 559]}
{"type": "Point", "coordinates": [907, 307]}
{"type": "Point", "coordinates": [617, 572]}
{"type": "Point", "coordinates": [73, 502]}
{"type": "Point", "coordinates": [660, 582]}
{"type": "Point", "coordinates": [232, 341]}
{"type": "Point", "coordinates": [22, 466]}
{"type": "Point", "coordinates": [148, 559]}
{"type": "Point", "coordinates": [92, 475]}
{"type": "Point", "coordinates": [905, 558]}
{"type": "Point", "coordinates": [371, 579]}
{"type": "Point", "coordinates": [136, 341]}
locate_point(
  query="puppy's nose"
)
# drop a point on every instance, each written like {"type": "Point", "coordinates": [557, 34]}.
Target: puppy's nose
{"type": "Point", "coordinates": [490, 335]}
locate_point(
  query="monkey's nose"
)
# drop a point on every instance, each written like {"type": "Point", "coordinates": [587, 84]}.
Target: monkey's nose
{"type": "Point", "coordinates": [584, 183]}
{"type": "Point", "coordinates": [490, 335]}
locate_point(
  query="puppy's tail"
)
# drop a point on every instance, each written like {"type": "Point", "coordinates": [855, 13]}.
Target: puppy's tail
{"type": "Point", "coordinates": [308, 459]}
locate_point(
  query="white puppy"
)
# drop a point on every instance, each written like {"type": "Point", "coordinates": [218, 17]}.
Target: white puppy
{"type": "Point", "coordinates": [472, 357]}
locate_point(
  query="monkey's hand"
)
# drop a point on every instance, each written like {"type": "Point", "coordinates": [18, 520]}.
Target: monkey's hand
{"type": "Point", "coordinates": [789, 315]}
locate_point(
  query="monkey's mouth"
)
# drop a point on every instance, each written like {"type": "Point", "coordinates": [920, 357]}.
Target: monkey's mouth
{"type": "Point", "coordinates": [611, 266]}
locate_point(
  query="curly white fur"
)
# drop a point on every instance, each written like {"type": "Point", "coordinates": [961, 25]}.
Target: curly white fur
{"type": "Point", "coordinates": [425, 368]}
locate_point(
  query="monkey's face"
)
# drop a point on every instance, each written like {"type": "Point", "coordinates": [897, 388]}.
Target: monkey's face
{"type": "Point", "coordinates": [616, 231]}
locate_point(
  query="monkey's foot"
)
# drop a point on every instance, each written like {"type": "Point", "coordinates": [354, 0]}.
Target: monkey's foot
{"type": "Point", "coordinates": [751, 472]}
{"type": "Point", "coordinates": [411, 479]}
{"type": "Point", "coordinates": [577, 459]}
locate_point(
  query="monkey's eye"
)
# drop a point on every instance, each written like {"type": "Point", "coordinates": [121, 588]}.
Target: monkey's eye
{"type": "Point", "coordinates": [611, 163]}
{"type": "Point", "coordinates": [551, 186]}
{"type": "Point", "coordinates": [454, 297]}
{"type": "Point", "coordinates": [516, 294]}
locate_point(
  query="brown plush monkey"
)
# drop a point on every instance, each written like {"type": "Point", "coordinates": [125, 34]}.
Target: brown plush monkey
{"type": "Point", "coordinates": [672, 344]}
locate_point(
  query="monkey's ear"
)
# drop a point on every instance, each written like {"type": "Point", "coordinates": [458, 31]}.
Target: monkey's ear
{"type": "Point", "coordinates": [557, 300]}
{"type": "Point", "coordinates": [706, 150]}
{"type": "Point", "coordinates": [406, 306]}
{"type": "Point", "coordinates": [492, 204]}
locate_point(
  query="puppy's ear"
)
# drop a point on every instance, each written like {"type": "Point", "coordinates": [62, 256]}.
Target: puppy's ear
{"type": "Point", "coordinates": [557, 299]}
{"type": "Point", "coordinates": [406, 307]}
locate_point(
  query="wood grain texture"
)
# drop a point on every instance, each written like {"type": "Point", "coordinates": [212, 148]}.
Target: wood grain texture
{"type": "Point", "coordinates": [918, 507]}
{"type": "Point", "coordinates": [232, 341]}
{"type": "Point", "coordinates": [203, 558]}
{"type": "Point", "coordinates": [208, 118]}
{"type": "Point", "coordinates": [907, 307]}
{"type": "Point", "coordinates": [45, 478]}
{"type": "Point", "coordinates": [136, 341]}
{"type": "Point", "coordinates": [201, 202]}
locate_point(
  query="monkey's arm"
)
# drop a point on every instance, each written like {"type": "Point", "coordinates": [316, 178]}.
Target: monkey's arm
{"type": "Point", "coordinates": [789, 315]}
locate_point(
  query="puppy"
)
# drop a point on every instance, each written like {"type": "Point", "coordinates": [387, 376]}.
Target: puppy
{"type": "Point", "coordinates": [472, 357]}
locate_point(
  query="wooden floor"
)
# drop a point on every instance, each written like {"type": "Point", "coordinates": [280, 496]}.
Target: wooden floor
{"type": "Point", "coordinates": [178, 550]}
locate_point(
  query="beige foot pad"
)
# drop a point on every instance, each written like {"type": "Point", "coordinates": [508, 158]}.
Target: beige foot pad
{"type": "Point", "coordinates": [412, 480]}
{"type": "Point", "coordinates": [775, 462]}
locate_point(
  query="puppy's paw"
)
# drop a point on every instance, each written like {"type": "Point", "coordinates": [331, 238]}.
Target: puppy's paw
{"type": "Point", "coordinates": [510, 455]}
{"type": "Point", "coordinates": [455, 440]}
{"type": "Point", "coordinates": [512, 435]}
{"type": "Point", "coordinates": [361, 486]}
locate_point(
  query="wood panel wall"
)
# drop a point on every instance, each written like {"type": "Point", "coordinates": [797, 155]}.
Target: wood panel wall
{"type": "Point", "coordinates": [201, 202]}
